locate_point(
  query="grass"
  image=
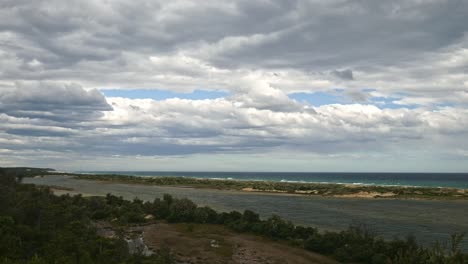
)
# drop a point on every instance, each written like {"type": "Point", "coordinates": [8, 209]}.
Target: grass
{"type": "Point", "coordinates": [191, 243]}
{"type": "Point", "coordinates": [216, 232]}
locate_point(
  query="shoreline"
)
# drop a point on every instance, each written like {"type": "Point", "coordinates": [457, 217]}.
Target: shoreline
{"type": "Point", "coordinates": [427, 219]}
{"type": "Point", "coordinates": [348, 184]}
{"type": "Point", "coordinates": [336, 190]}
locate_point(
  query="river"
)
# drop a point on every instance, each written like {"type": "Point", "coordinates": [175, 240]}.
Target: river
{"type": "Point", "coordinates": [427, 220]}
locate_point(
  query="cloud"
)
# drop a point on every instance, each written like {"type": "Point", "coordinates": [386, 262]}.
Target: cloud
{"type": "Point", "coordinates": [400, 67]}
{"type": "Point", "coordinates": [40, 131]}
{"type": "Point", "coordinates": [52, 101]}
{"type": "Point", "coordinates": [393, 47]}
{"type": "Point", "coordinates": [357, 95]}
{"type": "Point", "coordinates": [223, 125]}
{"type": "Point", "coordinates": [344, 74]}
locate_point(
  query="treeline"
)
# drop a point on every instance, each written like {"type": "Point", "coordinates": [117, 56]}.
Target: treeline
{"type": "Point", "coordinates": [22, 172]}
{"type": "Point", "coordinates": [38, 227]}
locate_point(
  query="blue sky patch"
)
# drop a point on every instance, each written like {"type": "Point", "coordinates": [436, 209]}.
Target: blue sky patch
{"type": "Point", "coordinates": [387, 102]}
{"type": "Point", "coordinates": [163, 94]}
{"type": "Point", "coordinates": [337, 96]}
{"type": "Point", "coordinates": [319, 98]}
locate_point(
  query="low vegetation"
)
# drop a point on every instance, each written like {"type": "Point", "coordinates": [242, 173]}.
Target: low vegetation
{"type": "Point", "coordinates": [39, 227]}
{"type": "Point", "coordinates": [333, 190]}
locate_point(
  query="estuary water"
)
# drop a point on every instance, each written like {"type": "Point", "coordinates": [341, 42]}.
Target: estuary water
{"type": "Point", "coordinates": [453, 180]}
{"type": "Point", "coordinates": [427, 220]}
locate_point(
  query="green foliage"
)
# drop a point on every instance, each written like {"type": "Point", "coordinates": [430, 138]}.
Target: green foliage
{"type": "Point", "coordinates": [160, 208]}
{"type": "Point", "coordinates": [39, 227]}
{"type": "Point", "coordinates": [250, 217]}
{"type": "Point", "coordinates": [357, 245]}
{"type": "Point", "coordinates": [182, 210]}
{"type": "Point", "coordinates": [205, 215]}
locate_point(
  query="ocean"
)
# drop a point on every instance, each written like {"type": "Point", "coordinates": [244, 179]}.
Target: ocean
{"type": "Point", "coordinates": [453, 180]}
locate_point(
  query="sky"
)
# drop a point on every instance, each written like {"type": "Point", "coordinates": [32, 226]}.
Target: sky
{"type": "Point", "coordinates": [235, 85]}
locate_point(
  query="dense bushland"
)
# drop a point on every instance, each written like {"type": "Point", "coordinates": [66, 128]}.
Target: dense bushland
{"type": "Point", "coordinates": [39, 227]}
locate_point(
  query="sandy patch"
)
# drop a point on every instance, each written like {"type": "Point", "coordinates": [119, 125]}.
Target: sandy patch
{"type": "Point", "coordinates": [363, 194]}
{"type": "Point", "coordinates": [249, 189]}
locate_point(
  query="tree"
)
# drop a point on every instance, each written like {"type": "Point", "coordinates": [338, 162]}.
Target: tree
{"type": "Point", "coordinates": [182, 210]}
{"type": "Point", "coordinates": [250, 217]}
{"type": "Point", "coordinates": [205, 215]}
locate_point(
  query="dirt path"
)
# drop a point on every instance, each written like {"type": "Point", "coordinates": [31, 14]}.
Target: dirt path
{"type": "Point", "coordinates": [193, 243]}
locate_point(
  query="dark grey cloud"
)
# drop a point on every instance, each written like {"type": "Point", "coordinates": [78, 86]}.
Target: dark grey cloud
{"type": "Point", "coordinates": [50, 101]}
{"type": "Point", "coordinates": [356, 95]}
{"type": "Point", "coordinates": [39, 132]}
{"type": "Point", "coordinates": [353, 33]}
{"type": "Point", "coordinates": [310, 34]}
{"type": "Point", "coordinates": [343, 74]}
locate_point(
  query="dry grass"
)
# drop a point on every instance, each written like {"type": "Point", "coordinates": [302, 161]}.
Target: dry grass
{"type": "Point", "coordinates": [191, 243]}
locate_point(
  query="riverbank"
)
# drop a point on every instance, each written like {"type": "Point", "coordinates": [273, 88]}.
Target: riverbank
{"type": "Point", "coordinates": [428, 220]}
{"type": "Point", "coordinates": [308, 189]}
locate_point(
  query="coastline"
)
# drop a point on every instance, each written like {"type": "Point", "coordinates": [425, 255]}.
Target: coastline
{"type": "Point", "coordinates": [338, 190]}
{"type": "Point", "coordinates": [402, 179]}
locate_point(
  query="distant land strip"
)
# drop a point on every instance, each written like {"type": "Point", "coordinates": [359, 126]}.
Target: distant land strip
{"type": "Point", "coordinates": [291, 188]}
